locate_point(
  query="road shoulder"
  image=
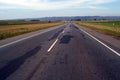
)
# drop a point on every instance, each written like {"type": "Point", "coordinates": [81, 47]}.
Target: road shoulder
{"type": "Point", "coordinates": [108, 39]}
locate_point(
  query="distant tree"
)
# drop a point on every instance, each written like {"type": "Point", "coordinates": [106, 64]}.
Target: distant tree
{"type": "Point", "coordinates": [78, 19]}
{"type": "Point", "coordinates": [35, 20]}
{"type": "Point", "coordinates": [49, 21]}
{"type": "Point", "coordinates": [95, 19]}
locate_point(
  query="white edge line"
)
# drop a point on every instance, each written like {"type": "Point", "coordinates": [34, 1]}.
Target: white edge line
{"type": "Point", "coordinates": [101, 43]}
{"type": "Point", "coordinates": [52, 45]}
{"type": "Point", "coordinates": [19, 40]}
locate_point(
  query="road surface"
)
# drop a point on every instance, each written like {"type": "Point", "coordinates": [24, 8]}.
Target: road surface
{"type": "Point", "coordinates": [64, 53]}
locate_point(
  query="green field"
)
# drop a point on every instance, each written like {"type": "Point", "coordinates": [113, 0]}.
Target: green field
{"type": "Point", "coordinates": [107, 23]}
{"type": "Point", "coordinates": [106, 27]}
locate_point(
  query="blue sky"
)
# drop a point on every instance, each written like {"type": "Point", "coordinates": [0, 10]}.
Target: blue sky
{"type": "Point", "coordinates": [13, 9]}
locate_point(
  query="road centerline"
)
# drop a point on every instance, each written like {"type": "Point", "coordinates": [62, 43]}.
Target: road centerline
{"type": "Point", "coordinates": [52, 45]}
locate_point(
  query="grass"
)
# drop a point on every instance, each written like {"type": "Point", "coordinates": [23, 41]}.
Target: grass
{"type": "Point", "coordinates": [108, 23]}
{"type": "Point", "coordinates": [14, 29]}
{"type": "Point", "coordinates": [107, 27]}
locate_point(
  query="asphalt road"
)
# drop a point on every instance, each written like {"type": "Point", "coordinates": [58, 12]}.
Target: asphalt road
{"type": "Point", "coordinates": [64, 53]}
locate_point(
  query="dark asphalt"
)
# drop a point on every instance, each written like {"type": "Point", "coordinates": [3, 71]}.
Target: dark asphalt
{"type": "Point", "coordinates": [75, 56]}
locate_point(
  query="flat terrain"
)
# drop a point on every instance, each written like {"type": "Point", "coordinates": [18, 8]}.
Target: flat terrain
{"type": "Point", "coordinates": [14, 28]}
{"type": "Point", "coordinates": [115, 24]}
{"type": "Point", "coordinates": [66, 52]}
{"type": "Point", "coordinates": [107, 27]}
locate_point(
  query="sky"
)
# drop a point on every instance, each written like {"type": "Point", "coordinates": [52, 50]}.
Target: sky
{"type": "Point", "coordinates": [15, 9]}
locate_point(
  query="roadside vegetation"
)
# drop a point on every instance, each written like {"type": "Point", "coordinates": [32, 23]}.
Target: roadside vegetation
{"type": "Point", "coordinates": [14, 28]}
{"type": "Point", "coordinates": [107, 27]}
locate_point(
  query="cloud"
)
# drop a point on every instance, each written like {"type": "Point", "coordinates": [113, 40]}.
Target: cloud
{"type": "Point", "coordinates": [52, 4]}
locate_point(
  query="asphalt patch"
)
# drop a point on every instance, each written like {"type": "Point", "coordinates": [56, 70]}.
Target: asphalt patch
{"type": "Point", "coordinates": [83, 35]}
{"type": "Point", "coordinates": [74, 26]}
{"type": "Point", "coordinates": [55, 35]}
{"type": "Point", "coordinates": [13, 65]}
{"type": "Point", "coordinates": [65, 39]}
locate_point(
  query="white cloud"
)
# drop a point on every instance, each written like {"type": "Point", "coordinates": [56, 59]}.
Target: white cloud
{"type": "Point", "coordinates": [51, 5]}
